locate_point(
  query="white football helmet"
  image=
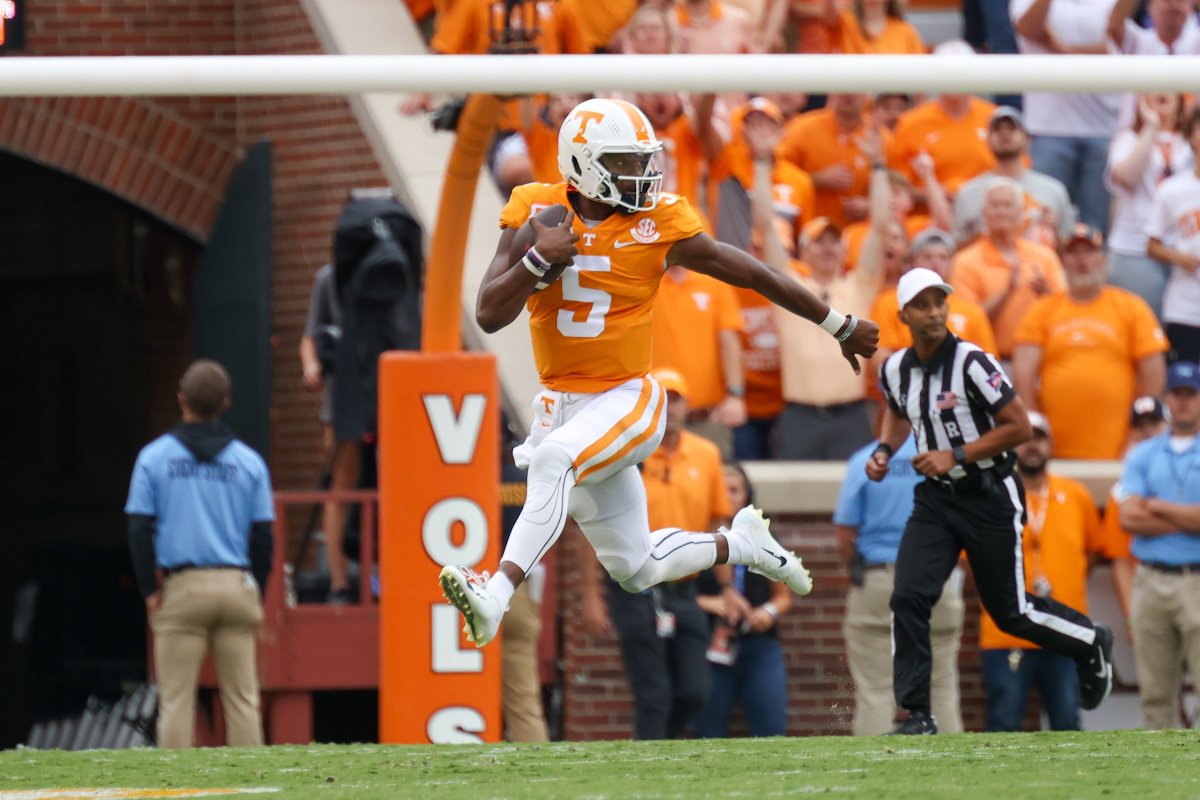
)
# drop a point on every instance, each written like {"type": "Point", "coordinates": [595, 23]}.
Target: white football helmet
{"type": "Point", "coordinates": [596, 134]}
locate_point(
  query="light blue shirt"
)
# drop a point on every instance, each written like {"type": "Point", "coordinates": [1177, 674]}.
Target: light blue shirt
{"type": "Point", "coordinates": [203, 509]}
{"type": "Point", "coordinates": [1153, 469]}
{"type": "Point", "coordinates": [878, 510]}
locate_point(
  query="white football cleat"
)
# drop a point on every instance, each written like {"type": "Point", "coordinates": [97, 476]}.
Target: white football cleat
{"type": "Point", "coordinates": [466, 590]}
{"type": "Point", "coordinates": [771, 560]}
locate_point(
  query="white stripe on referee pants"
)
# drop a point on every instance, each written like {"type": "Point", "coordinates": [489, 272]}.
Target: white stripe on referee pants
{"type": "Point", "coordinates": [1057, 624]}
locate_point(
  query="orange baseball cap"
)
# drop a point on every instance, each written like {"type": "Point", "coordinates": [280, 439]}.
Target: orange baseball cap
{"type": "Point", "coordinates": [816, 228]}
{"type": "Point", "coordinates": [670, 381]}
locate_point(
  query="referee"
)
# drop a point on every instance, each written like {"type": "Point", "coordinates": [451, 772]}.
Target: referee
{"type": "Point", "coordinates": [966, 419]}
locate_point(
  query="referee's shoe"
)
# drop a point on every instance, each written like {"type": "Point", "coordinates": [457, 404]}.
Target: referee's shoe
{"type": "Point", "coordinates": [1095, 673]}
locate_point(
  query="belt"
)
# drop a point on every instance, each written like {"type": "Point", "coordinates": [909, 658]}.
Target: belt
{"type": "Point", "coordinates": [186, 567]}
{"type": "Point", "coordinates": [832, 408]}
{"type": "Point", "coordinates": [1173, 569]}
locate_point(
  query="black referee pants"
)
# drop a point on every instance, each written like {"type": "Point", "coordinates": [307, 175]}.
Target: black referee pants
{"type": "Point", "coordinates": [987, 523]}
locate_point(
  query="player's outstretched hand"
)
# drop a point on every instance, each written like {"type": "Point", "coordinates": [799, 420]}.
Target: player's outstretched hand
{"type": "Point", "coordinates": [556, 244]}
{"type": "Point", "coordinates": [863, 342]}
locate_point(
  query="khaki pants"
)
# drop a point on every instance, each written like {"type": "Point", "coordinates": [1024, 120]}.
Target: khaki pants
{"type": "Point", "coordinates": [868, 632]}
{"type": "Point", "coordinates": [202, 609]}
{"type": "Point", "coordinates": [521, 693]}
{"type": "Point", "coordinates": [1166, 630]}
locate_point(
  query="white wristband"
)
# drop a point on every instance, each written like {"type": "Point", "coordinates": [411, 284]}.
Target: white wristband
{"type": "Point", "coordinates": [533, 267]}
{"type": "Point", "coordinates": [833, 322]}
{"type": "Point", "coordinates": [770, 609]}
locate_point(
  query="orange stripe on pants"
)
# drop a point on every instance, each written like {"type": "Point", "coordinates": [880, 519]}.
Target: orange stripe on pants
{"type": "Point", "coordinates": [614, 433]}
{"type": "Point", "coordinates": [629, 446]}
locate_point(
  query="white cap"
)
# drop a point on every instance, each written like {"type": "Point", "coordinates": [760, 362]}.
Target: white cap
{"type": "Point", "coordinates": [915, 281]}
{"type": "Point", "coordinates": [1038, 422]}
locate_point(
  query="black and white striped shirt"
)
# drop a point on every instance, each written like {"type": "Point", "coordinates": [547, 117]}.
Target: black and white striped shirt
{"type": "Point", "coordinates": [950, 400]}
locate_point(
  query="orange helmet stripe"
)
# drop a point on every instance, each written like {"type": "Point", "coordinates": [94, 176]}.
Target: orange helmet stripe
{"type": "Point", "coordinates": [640, 129]}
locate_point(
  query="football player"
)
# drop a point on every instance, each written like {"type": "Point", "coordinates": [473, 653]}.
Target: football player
{"type": "Point", "coordinates": [589, 282]}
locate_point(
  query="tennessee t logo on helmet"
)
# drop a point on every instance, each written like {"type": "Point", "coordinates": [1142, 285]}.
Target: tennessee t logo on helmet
{"type": "Point", "coordinates": [606, 150]}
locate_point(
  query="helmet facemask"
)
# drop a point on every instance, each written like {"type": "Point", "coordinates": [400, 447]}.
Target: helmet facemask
{"type": "Point", "coordinates": [629, 179]}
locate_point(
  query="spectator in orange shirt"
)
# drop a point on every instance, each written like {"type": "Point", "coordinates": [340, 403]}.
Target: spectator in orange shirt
{"type": "Point", "coordinates": [1147, 419]}
{"type": "Point", "coordinates": [595, 23]}
{"type": "Point", "coordinates": [533, 156]}
{"type": "Point", "coordinates": [732, 175]}
{"type": "Point", "coordinates": [1003, 272]}
{"type": "Point", "coordinates": [877, 27]}
{"type": "Point", "coordinates": [695, 333]}
{"type": "Point", "coordinates": [1061, 533]}
{"type": "Point", "coordinates": [903, 206]}
{"type": "Point", "coordinates": [1083, 355]}
{"type": "Point", "coordinates": [952, 129]}
{"type": "Point", "coordinates": [827, 145]}
{"type": "Point", "coordinates": [690, 140]}
{"type": "Point", "coordinates": [888, 108]}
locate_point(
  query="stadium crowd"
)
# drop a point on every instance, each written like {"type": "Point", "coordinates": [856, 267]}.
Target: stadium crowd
{"type": "Point", "coordinates": [1069, 227]}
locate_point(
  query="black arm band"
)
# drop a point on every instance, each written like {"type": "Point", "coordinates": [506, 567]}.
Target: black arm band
{"type": "Point", "coordinates": [262, 546]}
{"type": "Point", "coordinates": [883, 447]}
{"type": "Point", "coordinates": [141, 553]}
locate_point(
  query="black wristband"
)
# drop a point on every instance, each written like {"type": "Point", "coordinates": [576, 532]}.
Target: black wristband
{"type": "Point", "coordinates": [960, 454]}
{"type": "Point", "coordinates": [883, 447]}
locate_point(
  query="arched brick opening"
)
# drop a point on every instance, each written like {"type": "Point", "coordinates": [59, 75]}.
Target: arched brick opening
{"type": "Point", "coordinates": [128, 146]}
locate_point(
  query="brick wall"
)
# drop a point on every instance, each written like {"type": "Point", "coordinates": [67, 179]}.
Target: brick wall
{"type": "Point", "coordinates": [820, 693]}
{"type": "Point", "coordinates": [173, 156]}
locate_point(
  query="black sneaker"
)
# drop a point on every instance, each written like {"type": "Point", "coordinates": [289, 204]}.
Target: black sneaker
{"type": "Point", "coordinates": [919, 723]}
{"type": "Point", "coordinates": [1095, 672]}
{"type": "Point", "coordinates": [341, 597]}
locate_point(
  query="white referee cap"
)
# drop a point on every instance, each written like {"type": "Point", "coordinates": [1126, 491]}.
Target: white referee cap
{"type": "Point", "coordinates": [915, 281]}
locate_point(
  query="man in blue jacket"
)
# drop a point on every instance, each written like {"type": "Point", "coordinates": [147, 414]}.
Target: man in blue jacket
{"type": "Point", "coordinates": [200, 511]}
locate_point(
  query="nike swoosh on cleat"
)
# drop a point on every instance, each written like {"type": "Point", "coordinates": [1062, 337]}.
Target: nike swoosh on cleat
{"type": "Point", "coordinates": [782, 560]}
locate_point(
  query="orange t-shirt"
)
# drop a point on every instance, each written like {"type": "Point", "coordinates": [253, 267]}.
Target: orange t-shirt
{"type": "Point", "coordinates": [591, 329]}
{"type": "Point", "coordinates": [541, 141]}
{"type": "Point", "coordinates": [898, 37]}
{"type": "Point", "coordinates": [1090, 353]}
{"type": "Point", "coordinates": [1057, 550]}
{"type": "Point", "coordinates": [965, 319]}
{"type": "Point", "coordinates": [686, 488]}
{"type": "Point", "coordinates": [681, 159]}
{"type": "Point", "coordinates": [813, 141]}
{"type": "Point", "coordinates": [760, 355]}
{"type": "Point", "coordinates": [812, 34]}
{"type": "Point", "coordinates": [980, 271]}
{"type": "Point", "coordinates": [596, 23]}
{"type": "Point", "coordinates": [689, 315]}
{"type": "Point", "coordinates": [1116, 539]}
{"type": "Point", "coordinates": [958, 146]}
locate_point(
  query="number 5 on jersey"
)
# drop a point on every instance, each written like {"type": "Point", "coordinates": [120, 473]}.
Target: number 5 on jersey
{"type": "Point", "coordinates": [573, 291]}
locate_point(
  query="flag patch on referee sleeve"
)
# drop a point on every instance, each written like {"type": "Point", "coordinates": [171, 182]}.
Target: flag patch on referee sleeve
{"type": "Point", "coordinates": [946, 400]}
{"type": "Point", "coordinates": [995, 379]}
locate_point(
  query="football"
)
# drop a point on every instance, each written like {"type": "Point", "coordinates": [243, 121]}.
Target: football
{"type": "Point", "coordinates": [549, 217]}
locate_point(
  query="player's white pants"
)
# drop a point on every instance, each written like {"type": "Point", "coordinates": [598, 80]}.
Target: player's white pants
{"type": "Point", "coordinates": [582, 455]}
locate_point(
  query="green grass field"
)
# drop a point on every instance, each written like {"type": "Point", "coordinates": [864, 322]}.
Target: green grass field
{"type": "Point", "coordinates": [979, 767]}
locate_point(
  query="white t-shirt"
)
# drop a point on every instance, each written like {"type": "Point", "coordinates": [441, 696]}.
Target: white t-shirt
{"type": "Point", "coordinates": [1073, 22]}
{"type": "Point", "coordinates": [1128, 234]}
{"type": "Point", "coordinates": [1140, 41]}
{"type": "Point", "coordinates": [1175, 221]}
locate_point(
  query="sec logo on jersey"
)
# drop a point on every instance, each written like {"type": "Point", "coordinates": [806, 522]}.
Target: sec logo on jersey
{"type": "Point", "coordinates": [645, 231]}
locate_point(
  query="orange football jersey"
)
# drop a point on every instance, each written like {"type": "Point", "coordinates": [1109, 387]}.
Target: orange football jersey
{"type": "Point", "coordinates": [591, 328]}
